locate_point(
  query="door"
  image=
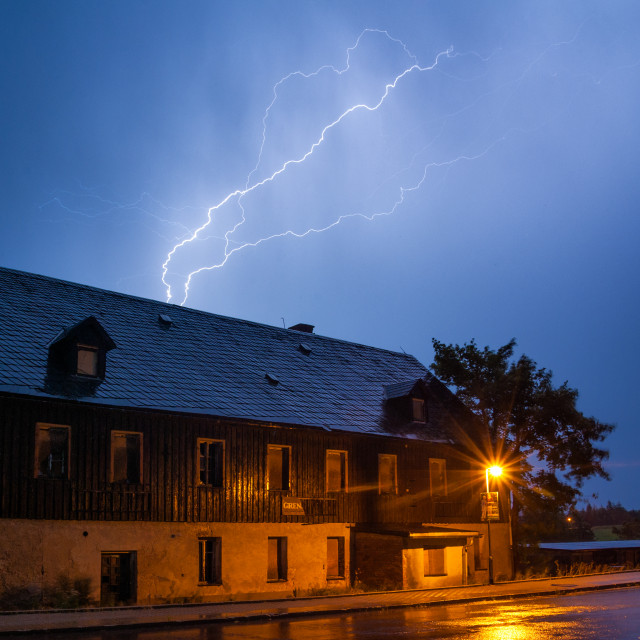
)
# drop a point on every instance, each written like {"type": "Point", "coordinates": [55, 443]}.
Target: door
{"type": "Point", "coordinates": [118, 578]}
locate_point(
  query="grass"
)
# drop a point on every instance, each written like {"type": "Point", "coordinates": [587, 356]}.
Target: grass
{"type": "Point", "coordinates": [602, 533]}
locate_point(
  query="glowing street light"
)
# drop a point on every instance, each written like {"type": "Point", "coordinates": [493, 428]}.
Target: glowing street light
{"type": "Point", "coordinates": [496, 472]}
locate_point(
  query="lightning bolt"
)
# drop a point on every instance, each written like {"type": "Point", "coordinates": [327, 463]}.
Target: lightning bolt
{"type": "Point", "coordinates": [250, 186]}
{"type": "Point", "coordinates": [411, 177]}
{"type": "Point", "coordinates": [101, 207]}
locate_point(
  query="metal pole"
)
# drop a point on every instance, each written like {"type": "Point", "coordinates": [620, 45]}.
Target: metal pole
{"type": "Point", "coordinates": [489, 532]}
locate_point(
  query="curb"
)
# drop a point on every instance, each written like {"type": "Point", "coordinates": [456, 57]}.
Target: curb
{"type": "Point", "coordinates": [231, 617]}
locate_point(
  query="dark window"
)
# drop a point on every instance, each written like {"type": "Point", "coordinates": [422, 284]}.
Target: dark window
{"type": "Point", "coordinates": [87, 364]}
{"type": "Point", "coordinates": [52, 451]}
{"type": "Point", "coordinates": [126, 457]}
{"type": "Point", "coordinates": [336, 470]}
{"type": "Point", "coordinates": [387, 473]}
{"type": "Point", "coordinates": [419, 414]}
{"type": "Point", "coordinates": [211, 462]}
{"type": "Point", "coordinates": [210, 561]}
{"type": "Point", "coordinates": [438, 476]}
{"type": "Point", "coordinates": [277, 559]}
{"type": "Point", "coordinates": [434, 561]}
{"type": "Point", "coordinates": [277, 467]}
{"type": "Point", "coordinates": [335, 557]}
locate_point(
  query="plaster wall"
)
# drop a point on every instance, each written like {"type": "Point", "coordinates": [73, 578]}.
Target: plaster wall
{"type": "Point", "coordinates": [413, 567]}
{"type": "Point", "coordinates": [500, 545]}
{"type": "Point", "coordinates": [33, 553]}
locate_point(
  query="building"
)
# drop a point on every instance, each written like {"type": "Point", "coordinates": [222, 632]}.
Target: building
{"type": "Point", "coordinates": [168, 454]}
{"type": "Point", "coordinates": [610, 553]}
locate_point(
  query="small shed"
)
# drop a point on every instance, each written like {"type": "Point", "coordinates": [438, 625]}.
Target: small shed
{"type": "Point", "coordinates": [615, 553]}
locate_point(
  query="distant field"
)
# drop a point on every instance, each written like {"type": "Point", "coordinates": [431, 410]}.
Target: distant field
{"type": "Point", "coordinates": [603, 532]}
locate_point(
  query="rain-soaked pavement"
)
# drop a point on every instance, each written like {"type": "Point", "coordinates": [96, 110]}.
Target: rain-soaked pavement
{"type": "Point", "coordinates": [601, 615]}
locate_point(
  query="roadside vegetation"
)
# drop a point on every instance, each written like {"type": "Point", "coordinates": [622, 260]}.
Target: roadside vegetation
{"type": "Point", "coordinates": [66, 593]}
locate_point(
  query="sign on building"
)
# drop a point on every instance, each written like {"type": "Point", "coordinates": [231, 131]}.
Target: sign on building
{"type": "Point", "coordinates": [490, 506]}
{"type": "Point", "coordinates": [292, 507]}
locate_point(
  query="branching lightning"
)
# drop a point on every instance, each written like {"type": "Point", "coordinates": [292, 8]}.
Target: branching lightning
{"type": "Point", "coordinates": [231, 247]}
{"type": "Point", "coordinates": [369, 88]}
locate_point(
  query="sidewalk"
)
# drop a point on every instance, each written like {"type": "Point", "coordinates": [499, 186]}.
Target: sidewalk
{"type": "Point", "coordinates": [39, 621]}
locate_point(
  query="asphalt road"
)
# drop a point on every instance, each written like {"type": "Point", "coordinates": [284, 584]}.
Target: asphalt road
{"type": "Point", "coordinates": [601, 615]}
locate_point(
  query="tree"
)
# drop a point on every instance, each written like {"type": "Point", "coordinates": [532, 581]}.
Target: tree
{"type": "Point", "coordinates": [529, 426]}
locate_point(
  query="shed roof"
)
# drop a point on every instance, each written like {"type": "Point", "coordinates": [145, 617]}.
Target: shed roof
{"type": "Point", "coordinates": [204, 363]}
{"type": "Point", "coordinates": [592, 545]}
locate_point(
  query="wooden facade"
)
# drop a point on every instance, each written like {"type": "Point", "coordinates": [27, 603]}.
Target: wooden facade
{"type": "Point", "coordinates": [170, 490]}
{"type": "Point", "coordinates": [210, 457]}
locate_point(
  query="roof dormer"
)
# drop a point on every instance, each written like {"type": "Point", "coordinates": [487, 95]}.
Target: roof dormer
{"type": "Point", "coordinates": [406, 402]}
{"type": "Point", "coordinates": [81, 350]}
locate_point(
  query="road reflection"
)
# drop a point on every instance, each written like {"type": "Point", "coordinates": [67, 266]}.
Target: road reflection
{"type": "Point", "coordinates": [612, 615]}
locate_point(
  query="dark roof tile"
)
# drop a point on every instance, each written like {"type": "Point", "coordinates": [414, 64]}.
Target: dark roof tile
{"type": "Point", "coordinates": [203, 363]}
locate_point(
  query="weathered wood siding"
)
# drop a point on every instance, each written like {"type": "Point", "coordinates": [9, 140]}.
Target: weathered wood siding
{"type": "Point", "coordinates": [170, 490]}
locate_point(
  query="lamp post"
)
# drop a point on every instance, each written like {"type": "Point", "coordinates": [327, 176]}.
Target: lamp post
{"type": "Point", "coordinates": [495, 472]}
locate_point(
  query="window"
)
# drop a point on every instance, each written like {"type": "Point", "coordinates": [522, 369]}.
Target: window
{"type": "Point", "coordinates": [335, 558]}
{"type": "Point", "coordinates": [210, 561]}
{"type": "Point", "coordinates": [434, 561]}
{"type": "Point", "coordinates": [211, 462]}
{"type": "Point", "coordinates": [87, 363]}
{"type": "Point", "coordinates": [438, 476]}
{"type": "Point", "coordinates": [336, 470]}
{"type": "Point", "coordinates": [52, 451]}
{"type": "Point", "coordinates": [277, 467]}
{"type": "Point", "coordinates": [276, 559]}
{"type": "Point", "coordinates": [387, 474]}
{"type": "Point", "coordinates": [126, 457]}
{"type": "Point", "coordinates": [419, 414]}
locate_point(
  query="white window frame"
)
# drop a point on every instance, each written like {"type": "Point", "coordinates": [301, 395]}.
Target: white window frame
{"type": "Point", "coordinates": [285, 485]}
{"type": "Point", "coordinates": [42, 427]}
{"type": "Point", "coordinates": [344, 459]}
{"type": "Point", "coordinates": [394, 457]}
{"type": "Point", "coordinates": [211, 441]}
{"type": "Point", "coordinates": [441, 463]}
{"type": "Point", "coordinates": [116, 433]}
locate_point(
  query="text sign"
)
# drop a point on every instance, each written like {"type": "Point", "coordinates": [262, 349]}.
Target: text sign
{"type": "Point", "coordinates": [292, 507]}
{"type": "Point", "coordinates": [490, 506]}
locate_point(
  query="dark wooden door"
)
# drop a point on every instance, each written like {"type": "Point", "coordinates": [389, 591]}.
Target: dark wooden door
{"type": "Point", "coordinates": [118, 578]}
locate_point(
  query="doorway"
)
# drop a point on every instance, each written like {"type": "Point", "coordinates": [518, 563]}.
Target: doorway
{"type": "Point", "coordinates": [118, 578]}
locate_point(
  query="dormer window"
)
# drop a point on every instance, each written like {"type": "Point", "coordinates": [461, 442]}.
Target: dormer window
{"type": "Point", "coordinates": [417, 405]}
{"type": "Point", "coordinates": [81, 350]}
{"type": "Point", "coordinates": [87, 361]}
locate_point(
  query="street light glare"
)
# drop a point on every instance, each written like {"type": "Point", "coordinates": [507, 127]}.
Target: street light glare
{"type": "Point", "coordinates": [495, 471]}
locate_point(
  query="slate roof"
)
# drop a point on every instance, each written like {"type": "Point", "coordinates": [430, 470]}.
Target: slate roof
{"type": "Point", "coordinates": [201, 362]}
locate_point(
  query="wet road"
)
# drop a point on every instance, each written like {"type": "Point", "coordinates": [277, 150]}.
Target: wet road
{"type": "Point", "coordinates": [602, 615]}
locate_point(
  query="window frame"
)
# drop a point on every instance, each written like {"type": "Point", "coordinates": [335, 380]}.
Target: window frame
{"type": "Point", "coordinates": [418, 410]}
{"type": "Point", "coordinates": [285, 485]}
{"type": "Point", "coordinates": [394, 457]}
{"type": "Point", "coordinates": [88, 348]}
{"type": "Point", "coordinates": [210, 441]}
{"type": "Point", "coordinates": [212, 576]}
{"type": "Point", "coordinates": [42, 427]}
{"type": "Point", "coordinates": [281, 560]}
{"type": "Point", "coordinates": [443, 463]}
{"type": "Point", "coordinates": [340, 560]}
{"type": "Point", "coordinates": [344, 484]}
{"type": "Point", "coordinates": [119, 433]}
{"type": "Point", "coordinates": [429, 562]}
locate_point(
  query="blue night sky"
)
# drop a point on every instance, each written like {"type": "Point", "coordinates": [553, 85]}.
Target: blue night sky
{"type": "Point", "coordinates": [474, 165]}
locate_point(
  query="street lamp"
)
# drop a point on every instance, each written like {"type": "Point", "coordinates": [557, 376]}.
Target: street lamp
{"type": "Point", "coordinates": [495, 471]}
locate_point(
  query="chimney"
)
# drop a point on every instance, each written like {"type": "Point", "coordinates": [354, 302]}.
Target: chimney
{"type": "Point", "coordinates": [305, 328]}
